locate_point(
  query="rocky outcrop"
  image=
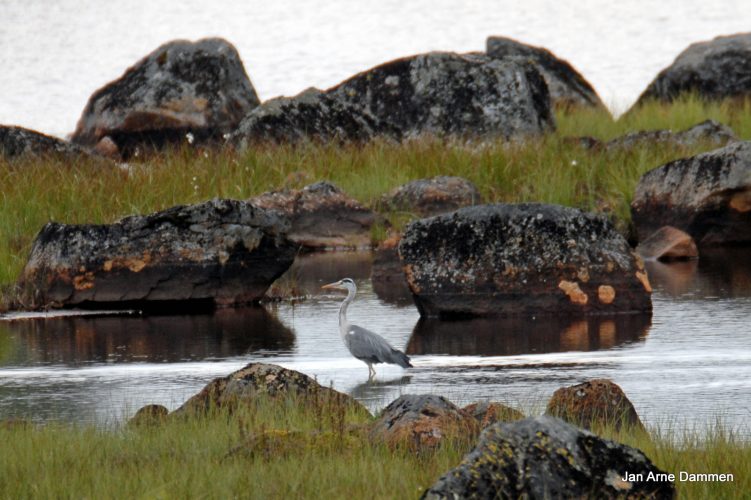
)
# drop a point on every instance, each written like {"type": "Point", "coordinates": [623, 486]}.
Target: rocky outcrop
{"type": "Point", "coordinates": [526, 259]}
{"type": "Point", "coordinates": [566, 85]}
{"type": "Point", "coordinates": [708, 196]}
{"type": "Point", "coordinates": [309, 116]}
{"type": "Point", "coordinates": [487, 413]}
{"type": "Point", "coordinates": [261, 380]}
{"type": "Point", "coordinates": [321, 216]}
{"type": "Point", "coordinates": [197, 88]}
{"type": "Point", "coordinates": [422, 422]}
{"type": "Point", "coordinates": [545, 457]}
{"type": "Point", "coordinates": [668, 243]}
{"type": "Point", "coordinates": [600, 403]}
{"type": "Point", "coordinates": [443, 93]}
{"type": "Point", "coordinates": [220, 251]}
{"type": "Point", "coordinates": [433, 196]}
{"type": "Point", "coordinates": [19, 142]}
{"type": "Point", "coordinates": [715, 69]}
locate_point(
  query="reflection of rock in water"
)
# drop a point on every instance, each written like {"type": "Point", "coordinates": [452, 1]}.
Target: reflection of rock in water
{"type": "Point", "coordinates": [389, 283]}
{"type": "Point", "coordinates": [509, 336]}
{"type": "Point", "coordinates": [226, 333]}
{"type": "Point", "coordinates": [673, 278]}
{"type": "Point", "coordinates": [310, 271]}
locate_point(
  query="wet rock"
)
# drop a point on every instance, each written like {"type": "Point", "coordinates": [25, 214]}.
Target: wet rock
{"type": "Point", "coordinates": [149, 415]}
{"type": "Point", "coordinates": [708, 131]}
{"type": "Point", "coordinates": [309, 116]}
{"type": "Point", "coordinates": [321, 215]}
{"type": "Point", "coordinates": [221, 252]}
{"type": "Point", "coordinates": [422, 422]}
{"type": "Point", "coordinates": [599, 403]}
{"type": "Point", "coordinates": [487, 413]}
{"type": "Point", "coordinates": [255, 380]}
{"type": "Point", "coordinates": [545, 457]}
{"type": "Point", "coordinates": [18, 142]}
{"type": "Point", "coordinates": [450, 94]}
{"type": "Point", "coordinates": [566, 85]}
{"type": "Point", "coordinates": [714, 69]}
{"type": "Point", "coordinates": [197, 88]}
{"type": "Point", "coordinates": [387, 275]}
{"type": "Point", "coordinates": [526, 259]}
{"type": "Point", "coordinates": [708, 196]}
{"type": "Point", "coordinates": [433, 196]}
{"type": "Point", "coordinates": [667, 243]}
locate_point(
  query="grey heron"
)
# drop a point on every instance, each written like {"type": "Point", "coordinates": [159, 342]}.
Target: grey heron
{"type": "Point", "coordinates": [367, 346]}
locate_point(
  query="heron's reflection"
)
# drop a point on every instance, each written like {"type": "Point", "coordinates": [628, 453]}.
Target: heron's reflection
{"type": "Point", "coordinates": [376, 389]}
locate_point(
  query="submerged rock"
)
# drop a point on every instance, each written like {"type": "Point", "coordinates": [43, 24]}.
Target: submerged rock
{"type": "Point", "coordinates": [545, 457]}
{"type": "Point", "coordinates": [530, 259]}
{"type": "Point", "coordinates": [714, 69]}
{"type": "Point", "coordinates": [450, 94]}
{"type": "Point", "coordinates": [220, 251]}
{"type": "Point", "coordinates": [566, 85]}
{"type": "Point", "coordinates": [668, 243]}
{"type": "Point", "coordinates": [18, 142]}
{"type": "Point", "coordinates": [199, 88]}
{"type": "Point", "coordinates": [321, 215]}
{"type": "Point", "coordinates": [432, 196]}
{"type": "Point", "coordinates": [708, 196]}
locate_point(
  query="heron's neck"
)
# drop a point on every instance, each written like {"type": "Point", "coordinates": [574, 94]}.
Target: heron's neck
{"type": "Point", "coordinates": [343, 312]}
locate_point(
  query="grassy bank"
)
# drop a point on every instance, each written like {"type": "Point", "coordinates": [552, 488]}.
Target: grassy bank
{"type": "Point", "coordinates": [206, 458]}
{"type": "Point", "coordinates": [552, 169]}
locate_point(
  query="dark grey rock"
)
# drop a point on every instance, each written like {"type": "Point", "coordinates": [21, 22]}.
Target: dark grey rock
{"type": "Point", "coordinates": [220, 251]}
{"type": "Point", "coordinates": [567, 86]}
{"type": "Point", "coordinates": [18, 142]}
{"type": "Point", "coordinates": [182, 87]}
{"type": "Point", "coordinates": [544, 457]}
{"type": "Point", "coordinates": [708, 196]}
{"type": "Point", "coordinates": [432, 196]}
{"type": "Point", "coordinates": [527, 259]}
{"type": "Point", "coordinates": [450, 94]}
{"type": "Point", "coordinates": [708, 131]}
{"type": "Point", "coordinates": [714, 69]}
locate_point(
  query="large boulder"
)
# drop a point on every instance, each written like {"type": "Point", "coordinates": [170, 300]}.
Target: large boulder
{"type": "Point", "coordinates": [433, 196]}
{"type": "Point", "coordinates": [221, 251]}
{"type": "Point", "coordinates": [714, 69]}
{"type": "Point", "coordinates": [198, 88]}
{"type": "Point", "coordinates": [567, 86]}
{"type": "Point", "coordinates": [545, 457]}
{"type": "Point", "coordinates": [443, 93]}
{"type": "Point", "coordinates": [708, 196]}
{"type": "Point", "coordinates": [309, 116]}
{"type": "Point", "coordinates": [18, 142]}
{"type": "Point", "coordinates": [321, 215]}
{"type": "Point", "coordinates": [526, 259]}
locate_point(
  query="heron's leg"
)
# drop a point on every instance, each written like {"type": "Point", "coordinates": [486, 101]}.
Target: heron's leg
{"type": "Point", "coordinates": [371, 371]}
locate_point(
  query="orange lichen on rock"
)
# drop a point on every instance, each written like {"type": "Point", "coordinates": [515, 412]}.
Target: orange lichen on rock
{"type": "Point", "coordinates": [575, 294]}
{"type": "Point", "coordinates": [606, 294]}
{"type": "Point", "coordinates": [84, 281]}
{"type": "Point", "coordinates": [642, 276]}
{"type": "Point", "coordinates": [741, 202]}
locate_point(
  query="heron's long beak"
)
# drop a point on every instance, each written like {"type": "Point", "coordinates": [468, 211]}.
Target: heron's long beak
{"type": "Point", "coordinates": [332, 286]}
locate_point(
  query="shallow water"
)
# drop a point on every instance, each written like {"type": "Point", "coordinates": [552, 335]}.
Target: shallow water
{"type": "Point", "coordinates": [686, 365]}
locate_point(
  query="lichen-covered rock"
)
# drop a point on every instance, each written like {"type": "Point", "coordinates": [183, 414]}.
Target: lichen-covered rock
{"type": "Point", "coordinates": [714, 69]}
{"type": "Point", "coordinates": [488, 413]}
{"type": "Point", "coordinates": [544, 457]}
{"type": "Point", "coordinates": [708, 196]}
{"type": "Point", "coordinates": [598, 402]}
{"type": "Point", "coordinates": [567, 86]}
{"type": "Point", "coordinates": [309, 116]}
{"type": "Point", "coordinates": [321, 216]}
{"type": "Point", "coordinates": [222, 251]}
{"type": "Point", "coordinates": [182, 87]}
{"type": "Point", "coordinates": [422, 422]}
{"type": "Point", "coordinates": [433, 196]}
{"type": "Point", "coordinates": [18, 142]}
{"type": "Point", "coordinates": [255, 380]}
{"type": "Point", "coordinates": [450, 94]}
{"type": "Point", "coordinates": [149, 415]}
{"type": "Point", "coordinates": [500, 260]}
{"type": "Point", "coordinates": [708, 131]}
{"type": "Point", "coordinates": [667, 243]}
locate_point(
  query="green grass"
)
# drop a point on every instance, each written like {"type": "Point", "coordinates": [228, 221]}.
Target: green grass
{"type": "Point", "coordinates": [550, 169]}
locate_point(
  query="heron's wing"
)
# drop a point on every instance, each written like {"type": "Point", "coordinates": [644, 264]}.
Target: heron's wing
{"type": "Point", "coordinates": [371, 347]}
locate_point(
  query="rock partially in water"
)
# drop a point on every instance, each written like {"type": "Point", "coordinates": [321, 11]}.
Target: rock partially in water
{"type": "Point", "coordinates": [526, 259]}
{"type": "Point", "coordinates": [545, 457]}
{"type": "Point", "coordinates": [19, 142]}
{"type": "Point", "coordinates": [708, 196]}
{"type": "Point", "coordinates": [433, 196]}
{"type": "Point", "coordinates": [309, 116]}
{"type": "Point", "coordinates": [198, 88]}
{"type": "Point", "coordinates": [387, 275]}
{"type": "Point", "coordinates": [422, 422]}
{"type": "Point", "coordinates": [715, 69]}
{"type": "Point", "coordinates": [599, 403]}
{"type": "Point", "coordinates": [487, 413]}
{"type": "Point", "coordinates": [444, 93]}
{"type": "Point", "coordinates": [668, 243]}
{"type": "Point", "coordinates": [256, 380]}
{"type": "Point", "coordinates": [567, 86]}
{"type": "Point", "coordinates": [149, 415]}
{"type": "Point", "coordinates": [322, 216]}
{"type": "Point", "coordinates": [221, 251]}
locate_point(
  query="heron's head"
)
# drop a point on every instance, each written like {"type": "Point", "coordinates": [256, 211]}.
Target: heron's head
{"type": "Point", "coordinates": [343, 284]}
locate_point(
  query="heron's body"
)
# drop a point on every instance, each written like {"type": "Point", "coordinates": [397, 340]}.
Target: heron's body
{"type": "Point", "coordinates": [367, 346]}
